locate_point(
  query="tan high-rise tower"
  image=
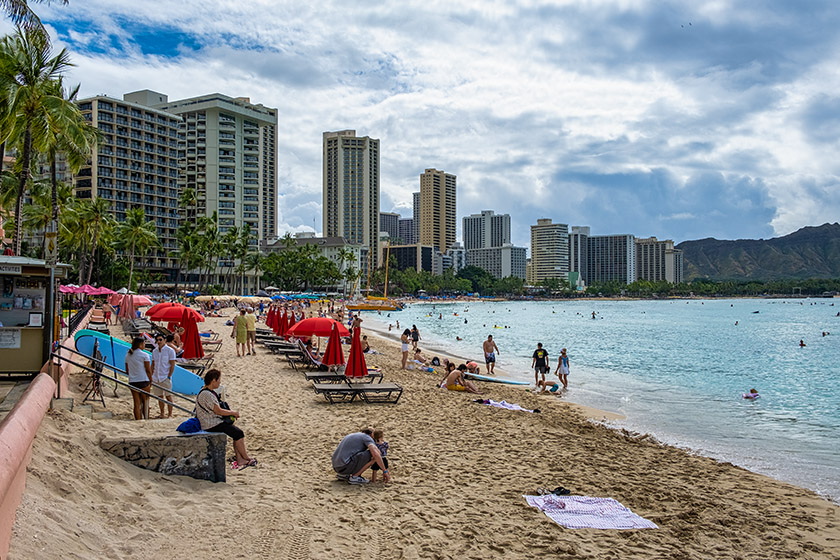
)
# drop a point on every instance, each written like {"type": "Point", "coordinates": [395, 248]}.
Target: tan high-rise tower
{"type": "Point", "coordinates": [351, 190]}
{"type": "Point", "coordinates": [437, 209]}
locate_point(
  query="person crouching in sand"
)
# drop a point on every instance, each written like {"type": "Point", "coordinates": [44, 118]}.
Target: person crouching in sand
{"type": "Point", "coordinates": [355, 454]}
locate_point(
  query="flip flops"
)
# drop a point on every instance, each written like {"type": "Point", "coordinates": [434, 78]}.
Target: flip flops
{"type": "Point", "coordinates": [559, 491]}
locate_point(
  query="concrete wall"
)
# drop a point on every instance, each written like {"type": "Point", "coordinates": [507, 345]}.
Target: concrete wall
{"type": "Point", "coordinates": [17, 431]}
{"type": "Point", "coordinates": [200, 456]}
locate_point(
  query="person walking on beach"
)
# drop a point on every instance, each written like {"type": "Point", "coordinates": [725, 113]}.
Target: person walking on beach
{"type": "Point", "coordinates": [539, 362]}
{"type": "Point", "coordinates": [562, 370]}
{"type": "Point", "coordinates": [355, 454]}
{"type": "Point", "coordinates": [138, 366]}
{"type": "Point", "coordinates": [490, 351]}
{"type": "Point", "coordinates": [404, 346]}
{"type": "Point", "coordinates": [240, 332]}
{"type": "Point", "coordinates": [415, 336]}
{"type": "Point", "coordinates": [251, 326]}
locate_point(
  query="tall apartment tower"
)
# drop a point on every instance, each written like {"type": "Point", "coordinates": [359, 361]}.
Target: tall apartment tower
{"type": "Point", "coordinates": [658, 261]}
{"type": "Point", "coordinates": [390, 223]}
{"type": "Point", "coordinates": [351, 189]}
{"type": "Point", "coordinates": [415, 215]}
{"type": "Point", "coordinates": [578, 250]}
{"type": "Point", "coordinates": [549, 251]}
{"type": "Point", "coordinates": [229, 159]}
{"type": "Point", "coordinates": [407, 231]}
{"type": "Point", "coordinates": [486, 229]}
{"type": "Point", "coordinates": [611, 258]}
{"type": "Point", "coordinates": [437, 209]}
{"type": "Point", "coordinates": [136, 166]}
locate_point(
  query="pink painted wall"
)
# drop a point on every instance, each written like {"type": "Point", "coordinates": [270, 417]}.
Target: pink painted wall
{"type": "Point", "coordinates": [17, 431]}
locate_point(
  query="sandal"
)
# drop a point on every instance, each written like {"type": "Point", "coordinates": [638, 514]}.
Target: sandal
{"type": "Point", "coordinates": [560, 491]}
{"type": "Point", "coordinates": [234, 465]}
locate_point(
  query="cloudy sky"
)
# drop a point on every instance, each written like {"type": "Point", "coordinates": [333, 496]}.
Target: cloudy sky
{"type": "Point", "coordinates": [651, 118]}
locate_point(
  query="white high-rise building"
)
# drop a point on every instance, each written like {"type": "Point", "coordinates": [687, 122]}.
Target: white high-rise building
{"type": "Point", "coordinates": [351, 189]}
{"type": "Point", "coordinates": [658, 261]}
{"type": "Point", "coordinates": [486, 229]}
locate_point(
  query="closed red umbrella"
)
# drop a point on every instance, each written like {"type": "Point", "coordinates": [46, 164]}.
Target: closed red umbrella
{"type": "Point", "coordinates": [356, 366]}
{"type": "Point", "coordinates": [282, 325]}
{"type": "Point", "coordinates": [291, 323]}
{"type": "Point", "coordinates": [333, 356]}
{"type": "Point", "coordinates": [269, 317]}
{"type": "Point", "coordinates": [193, 348]}
{"type": "Point", "coordinates": [173, 314]}
{"type": "Point", "coordinates": [317, 326]}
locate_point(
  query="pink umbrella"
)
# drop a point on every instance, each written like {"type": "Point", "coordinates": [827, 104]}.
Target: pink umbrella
{"type": "Point", "coordinates": [103, 291]}
{"type": "Point", "coordinates": [86, 289]}
{"type": "Point", "coordinates": [142, 301]}
{"type": "Point", "coordinates": [67, 289]}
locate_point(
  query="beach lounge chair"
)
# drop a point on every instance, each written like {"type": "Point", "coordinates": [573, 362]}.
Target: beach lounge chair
{"type": "Point", "coordinates": [339, 377]}
{"type": "Point", "coordinates": [388, 393]}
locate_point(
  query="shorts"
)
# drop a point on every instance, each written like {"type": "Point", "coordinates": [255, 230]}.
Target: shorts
{"type": "Point", "coordinates": [252, 335]}
{"type": "Point", "coordinates": [375, 467]}
{"type": "Point", "coordinates": [164, 388]}
{"type": "Point", "coordinates": [235, 433]}
{"type": "Point", "coordinates": [490, 358]}
{"type": "Point", "coordinates": [144, 385]}
{"type": "Point", "coordinates": [456, 387]}
{"type": "Point", "coordinates": [541, 369]}
{"type": "Point", "coordinates": [355, 463]}
{"type": "Point", "coordinates": [405, 347]}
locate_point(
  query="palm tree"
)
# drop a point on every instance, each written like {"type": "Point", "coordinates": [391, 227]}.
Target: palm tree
{"type": "Point", "coordinates": [96, 213]}
{"type": "Point", "coordinates": [255, 262]}
{"type": "Point", "coordinates": [21, 14]}
{"type": "Point", "coordinates": [27, 74]}
{"type": "Point", "coordinates": [242, 247]}
{"type": "Point", "coordinates": [137, 236]}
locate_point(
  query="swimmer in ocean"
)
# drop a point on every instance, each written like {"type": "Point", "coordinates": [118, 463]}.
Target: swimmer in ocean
{"type": "Point", "coordinates": [802, 344]}
{"type": "Point", "coordinates": [752, 395]}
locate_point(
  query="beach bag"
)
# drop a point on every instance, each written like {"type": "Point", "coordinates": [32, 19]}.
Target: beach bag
{"type": "Point", "coordinates": [435, 361]}
{"type": "Point", "coordinates": [226, 419]}
{"type": "Point", "coordinates": [189, 426]}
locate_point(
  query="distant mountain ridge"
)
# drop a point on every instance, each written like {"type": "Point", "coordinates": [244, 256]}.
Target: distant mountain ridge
{"type": "Point", "coordinates": [811, 252]}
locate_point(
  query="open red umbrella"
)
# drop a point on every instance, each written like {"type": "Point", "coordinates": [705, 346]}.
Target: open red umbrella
{"type": "Point", "coordinates": [356, 366]}
{"type": "Point", "coordinates": [333, 356]}
{"type": "Point", "coordinates": [317, 326]}
{"type": "Point", "coordinates": [174, 314]}
{"type": "Point", "coordinates": [191, 339]}
{"type": "Point", "coordinates": [163, 305]}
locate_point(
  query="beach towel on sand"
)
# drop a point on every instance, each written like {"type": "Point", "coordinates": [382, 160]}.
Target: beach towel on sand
{"type": "Point", "coordinates": [584, 512]}
{"type": "Point", "coordinates": [506, 405]}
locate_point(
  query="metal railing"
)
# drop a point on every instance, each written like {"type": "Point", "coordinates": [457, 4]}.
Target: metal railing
{"type": "Point", "coordinates": [74, 321]}
{"type": "Point", "coordinates": [93, 371]}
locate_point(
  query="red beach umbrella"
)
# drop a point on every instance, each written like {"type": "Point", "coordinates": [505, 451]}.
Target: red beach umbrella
{"type": "Point", "coordinates": [269, 318]}
{"type": "Point", "coordinates": [291, 323]}
{"type": "Point", "coordinates": [317, 326]}
{"type": "Point", "coordinates": [333, 356]}
{"type": "Point", "coordinates": [174, 314]}
{"type": "Point", "coordinates": [191, 339]}
{"type": "Point", "coordinates": [163, 305]}
{"type": "Point", "coordinates": [356, 366]}
{"type": "Point", "coordinates": [283, 325]}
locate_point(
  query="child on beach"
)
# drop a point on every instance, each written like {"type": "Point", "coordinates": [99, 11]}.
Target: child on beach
{"type": "Point", "coordinates": [379, 440]}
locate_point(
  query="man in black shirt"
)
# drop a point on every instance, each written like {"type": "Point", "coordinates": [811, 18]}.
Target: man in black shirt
{"type": "Point", "coordinates": [539, 363]}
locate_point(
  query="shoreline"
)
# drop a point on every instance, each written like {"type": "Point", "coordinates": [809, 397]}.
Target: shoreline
{"type": "Point", "coordinates": [393, 340]}
{"type": "Point", "coordinates": [455, 463]}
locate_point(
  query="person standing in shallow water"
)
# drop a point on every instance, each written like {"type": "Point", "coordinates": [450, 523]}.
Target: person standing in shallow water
{"type": "Point", "coordinates": [562, 370]}
{"type": "Point", "coordinates": [539, 363]}
{"type": "Point", "coordinates": [490, 351]}
{"type": "Point", "coordinates": [415, 336]}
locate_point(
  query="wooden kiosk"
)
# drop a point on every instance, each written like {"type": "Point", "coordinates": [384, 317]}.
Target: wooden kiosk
{"type": "Point", "coordinates": [27, 311]}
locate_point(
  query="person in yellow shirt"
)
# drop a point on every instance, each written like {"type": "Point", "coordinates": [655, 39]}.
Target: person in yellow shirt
{"type": "Point", "coordinates": [251, 321]}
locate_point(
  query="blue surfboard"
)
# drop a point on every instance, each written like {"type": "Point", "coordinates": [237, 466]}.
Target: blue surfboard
{"type": "Point", "coordinates": [114, 350]}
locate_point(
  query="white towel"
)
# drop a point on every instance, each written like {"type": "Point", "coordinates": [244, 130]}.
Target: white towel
{"type": "Point", "coordinates": [584, 512]}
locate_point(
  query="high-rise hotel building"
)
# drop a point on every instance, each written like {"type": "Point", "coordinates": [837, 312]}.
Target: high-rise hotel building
{"type": "Point", "coordinates": [229, 160]}
{"type": "Point", "coordinates": [658, 261]}
{"type": "Point", "coordinates": [486, 229]}
{"type": "Point", "coordinates": [611, 258]}
{"type": "Point", "coordinates": [549, 251]}
{"type": "Point", "coordinates": [135, 166]}
{"type": "Point", "coordinates": [351, 190]}
{"type": "Point", "coordinates": [437, 209]}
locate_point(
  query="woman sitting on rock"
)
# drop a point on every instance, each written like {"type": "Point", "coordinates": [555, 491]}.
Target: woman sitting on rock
{"type": "Point", "coordinates": [212, 417]}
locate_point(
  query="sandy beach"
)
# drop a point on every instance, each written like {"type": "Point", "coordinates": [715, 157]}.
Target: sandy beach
{"type": "Point", "coordinates": [459, 472]}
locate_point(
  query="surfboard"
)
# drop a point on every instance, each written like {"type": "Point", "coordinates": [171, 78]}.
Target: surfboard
{"type": "Point", "coordinates": [114, 350]}
{"type": "Point", "coordinates": [493, 379]}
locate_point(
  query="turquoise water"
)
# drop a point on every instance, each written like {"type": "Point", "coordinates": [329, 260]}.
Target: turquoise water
{"type": "Point", "coordinates": [677, 370]}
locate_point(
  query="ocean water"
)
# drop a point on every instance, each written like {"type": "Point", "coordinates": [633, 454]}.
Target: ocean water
{"type": "Point", "coordinates": [677, 370]}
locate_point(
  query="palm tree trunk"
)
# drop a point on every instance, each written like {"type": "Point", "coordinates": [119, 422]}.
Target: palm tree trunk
{"type": "Point", "coordinates": [131, 267]}
{"type": "Point", "coordinates": [54, 184]}
{"type": "Point", "coordinates": [2, 156]}
{"type": "Point", "coordinates": [24, 177]}
{"type": "Point", "coordinates": [93, 254]}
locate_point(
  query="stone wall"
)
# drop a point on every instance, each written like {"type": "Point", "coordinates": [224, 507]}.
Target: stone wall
{"type": "Point", "coordinates": [200, 456]}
